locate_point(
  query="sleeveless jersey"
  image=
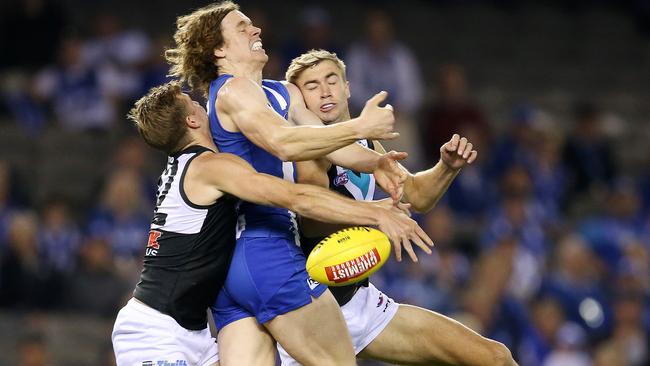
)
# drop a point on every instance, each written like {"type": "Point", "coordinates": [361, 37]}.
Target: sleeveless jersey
{"type": "Point", "coordinates": [256, 220]}
{"type": "Point", "coordinates": [189, 248]}
{"type": "Point", "coordinates": [359, 186]}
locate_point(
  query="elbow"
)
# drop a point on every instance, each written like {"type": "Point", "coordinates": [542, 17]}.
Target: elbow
{"type": "Point", "coordinates": [302, 204]}
{"type": "Point", "coordinates": [283, 153]}
{"type": "Point", "coordinates": [299, 203]}
{"type": "Point", "coordinates": [287, 153]}
{"type": "Point", "coordinates": [278, 149]}
{"type": "Point", "coordinates": [281, 149]}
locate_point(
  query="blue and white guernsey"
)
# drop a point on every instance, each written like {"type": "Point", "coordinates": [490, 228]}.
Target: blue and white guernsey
{"type": "Point", "coordinates": [257, 220]}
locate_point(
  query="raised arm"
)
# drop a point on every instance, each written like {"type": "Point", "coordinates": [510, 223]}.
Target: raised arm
{"type": "Point", "coordinates": [306, 200]}
{"type": "Point", "coordinates": [243, 104]}
{"type": "Point", "coordinates": [424, 189]}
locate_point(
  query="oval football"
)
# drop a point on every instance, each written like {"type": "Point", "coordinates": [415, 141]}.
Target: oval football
{"type": "Point", "coordinates": [348, 256]}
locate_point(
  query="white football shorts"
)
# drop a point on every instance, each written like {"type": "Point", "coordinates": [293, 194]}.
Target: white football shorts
{"type": "Point", "coordinates": [366, 315]}
{"type": "Point", "coordinates": [143, 336]}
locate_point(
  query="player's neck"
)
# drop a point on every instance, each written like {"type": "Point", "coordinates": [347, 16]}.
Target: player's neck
{"type": "Point", "coordinates": [249, 71]}
{"type": "Point", "coordinates": [345, 116]}
{"type": "Point", "coordinates": [200, 139]}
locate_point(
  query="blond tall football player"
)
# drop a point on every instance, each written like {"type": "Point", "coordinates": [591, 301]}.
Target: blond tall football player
{"type": "Point", "coordinates": [380, 328]}
{"type": "Point", "coordinates": [192, 234]}
{"type": "Point", "coordinates": [268, 293]}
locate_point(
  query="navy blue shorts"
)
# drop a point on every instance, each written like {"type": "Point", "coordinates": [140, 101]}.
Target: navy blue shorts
{"type": "Point", "coordinates": [267, 278]}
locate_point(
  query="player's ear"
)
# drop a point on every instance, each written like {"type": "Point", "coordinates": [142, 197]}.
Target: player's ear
{"type": "Point", "coordinates": [192, 121]}
{"type": "Point", "coordinates": [219, 52]}
{"type": "Point", "coordinates": [347, 89]}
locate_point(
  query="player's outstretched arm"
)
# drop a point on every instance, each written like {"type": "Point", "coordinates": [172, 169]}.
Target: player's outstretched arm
{"type": "Point", "coordinates": [307, 200]}
{"type": "Point", "coordinates": [244, 103]}
{"type": "Point", "coordinates": [424, 189]}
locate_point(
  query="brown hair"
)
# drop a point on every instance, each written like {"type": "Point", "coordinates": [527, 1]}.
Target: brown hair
{"type": "Point", "coordinates": [309, 59]}
{"type": "Point", "coordinates": [159, 116]}
{"type": "Point", "coordinates": [197, 36]}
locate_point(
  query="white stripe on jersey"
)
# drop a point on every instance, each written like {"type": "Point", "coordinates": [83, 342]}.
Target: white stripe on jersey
{"type": "Point", "coordinates": [283, 103]}
{"type": "Point", "coordinates": [287, 174]}
{"type": "Point", "coordinates": [180, 217]}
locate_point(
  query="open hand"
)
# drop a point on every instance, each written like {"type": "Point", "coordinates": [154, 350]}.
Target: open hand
{"type": "Point", "coordinates": [390, 175]}
{"type": "Point", "coordinates": [402, 231]}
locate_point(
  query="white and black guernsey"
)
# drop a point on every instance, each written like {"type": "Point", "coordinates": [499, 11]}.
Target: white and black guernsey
{"type": "Point", "coordinates": [359, 186]}
{"type": "Point", "coordinates": [189, 248]}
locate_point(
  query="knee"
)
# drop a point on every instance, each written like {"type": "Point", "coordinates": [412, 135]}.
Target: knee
{"type": "Point", "coordinates": [500, 355]}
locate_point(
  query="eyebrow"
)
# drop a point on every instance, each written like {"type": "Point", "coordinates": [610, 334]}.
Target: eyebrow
{"type": "Point", "coordinates": [316, 81]}
{"type": "Point", "coordinates": [243, 23]}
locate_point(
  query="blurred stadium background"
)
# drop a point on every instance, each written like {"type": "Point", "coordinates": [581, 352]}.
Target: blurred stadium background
{"type": "Point", "coordinates": [543, 244]}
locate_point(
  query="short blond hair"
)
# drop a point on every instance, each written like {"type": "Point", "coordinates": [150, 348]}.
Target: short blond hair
{"type": "Point", "coordinates": [309, 59]}
{"type": "Point", "coordinates": [160, 117]}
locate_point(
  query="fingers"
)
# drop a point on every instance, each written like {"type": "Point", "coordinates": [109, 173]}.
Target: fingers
{"type": "Point", "coordinates": [404, 207]}
{"type": "Point", "coordinates": [389, 107]}
{"type": "Point", "coordinates": [398, 155]}
{"type": "Point", "coordinates": [378, 98]}
{"type": "Point", "coordinates": [421, 234]}
{"type": "Point", "coordinates": [409, 248]}
{"type": "Point", "coordinates": [398, 249]}
{"type": "Point", "coordinates": [389, 136]}
{"type": "Point", "coordinates": [416, 239]}
{"type": "Point", "coordinates": [468, 150]}
{"type": "Point", "coordinates": [453, 143]}
{"type": "Point", "coordinates": [395, 193]}
{"type": "Point", "coordinates": [472, 157]}
{"type": "Point", "coordinates": [400, 194]}
{"type": "Point", "coordinates": [461, 145]}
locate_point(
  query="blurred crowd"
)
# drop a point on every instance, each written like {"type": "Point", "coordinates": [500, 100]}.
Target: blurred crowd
{"type": "Point", "coordinates": [542, 244]}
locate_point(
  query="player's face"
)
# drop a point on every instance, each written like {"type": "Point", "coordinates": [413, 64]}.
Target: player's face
{"type": "Point", "coordinates": [242, 42]}
{"type": "Point", "coordinates": [325, 91]}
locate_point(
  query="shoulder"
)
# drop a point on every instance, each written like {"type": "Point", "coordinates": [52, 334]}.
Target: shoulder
{"type": "Point", "coordinates": [291, 88]}
{"type": "Point", "coordinates": [210, 161]}
{"type": "Point", "coordinates": [237, 85]}
{"type": "Point", "coordinates": [237, 89]}
{"type": "Point", "coordinates": [295, 95]}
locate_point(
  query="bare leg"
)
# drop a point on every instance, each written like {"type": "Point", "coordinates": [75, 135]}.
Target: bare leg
{"type": "Point", "coordinates": [245, 342]}
{"type": "Point", "coordinates": [417, 336]}
{"type": "Point", "coordinates": [315, 334]}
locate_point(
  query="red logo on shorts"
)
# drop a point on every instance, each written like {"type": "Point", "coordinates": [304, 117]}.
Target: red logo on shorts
{"type": "Point", "coordinates": [353, 268]}
{"type": "Point", "coordinates": [153, 239]}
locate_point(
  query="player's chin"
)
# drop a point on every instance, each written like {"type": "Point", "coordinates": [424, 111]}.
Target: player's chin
{"type": "Point", "coordinates": [329, 117]}
{"type": "Point", "coordinates": [260, 56]}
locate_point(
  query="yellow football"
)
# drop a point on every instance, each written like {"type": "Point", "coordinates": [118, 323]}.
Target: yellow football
{"type": "Point", "coordinates": [348, 256]}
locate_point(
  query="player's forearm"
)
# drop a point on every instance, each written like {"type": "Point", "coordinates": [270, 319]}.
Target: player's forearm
{"type": "Point", "coordinates": [323, 205]}
{"type": "Point", "coordinates": [311, 142]}
{"type": "Point", "coordinates": [355, 157]}
{"type": "Point", "coordinates": [313, 228]}
{"type": "Point", "coordinates": [424, 189]}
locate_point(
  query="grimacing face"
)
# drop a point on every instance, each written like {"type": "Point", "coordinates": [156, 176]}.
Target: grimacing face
{"type": "Point", "coordinates": [325, 91]}
{"type": "Point", "coordinates": [242, 42]}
